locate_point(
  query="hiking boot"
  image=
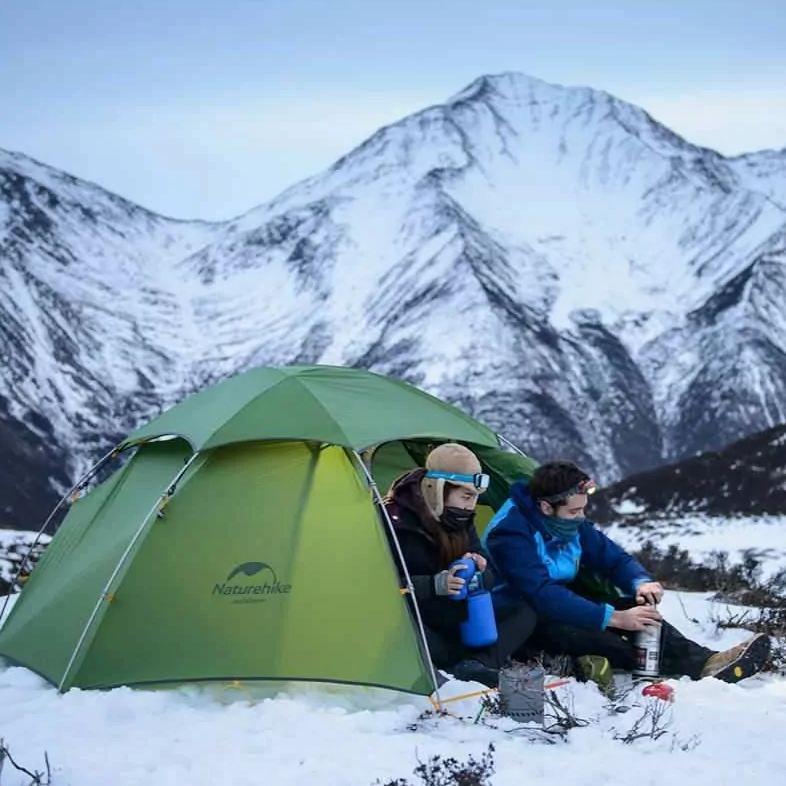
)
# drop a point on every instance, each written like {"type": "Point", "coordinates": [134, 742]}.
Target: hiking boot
{"type": "Point", "coordinates": [597, 669]}
{"type": "Point", "coordinates": [475, 671]}
{"type": "Point", "coordinates": [739, 662]}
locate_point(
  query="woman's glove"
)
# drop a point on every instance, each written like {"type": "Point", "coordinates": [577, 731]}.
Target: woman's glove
{"type": "Point", "coordinates": [447, 583]}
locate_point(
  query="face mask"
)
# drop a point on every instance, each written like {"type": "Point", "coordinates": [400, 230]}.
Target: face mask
{"type": "Point", "coordinates": [562, 528]}
{"type": "Point", "coordinates": [456, 519]}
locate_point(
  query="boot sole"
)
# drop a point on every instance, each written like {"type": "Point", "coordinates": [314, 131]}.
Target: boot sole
{"type": "Point", "coordinates": [748, 663]}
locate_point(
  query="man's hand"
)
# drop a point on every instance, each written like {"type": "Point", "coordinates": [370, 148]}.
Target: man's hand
{"type": "Point", "coordinates": [478, 559]}
{"type": "Point", "coordinates": [637, 618]}
{"type": "Point", "coordinates": [447, 582]}
{"type": "Point", "coordinates": [650, 592]}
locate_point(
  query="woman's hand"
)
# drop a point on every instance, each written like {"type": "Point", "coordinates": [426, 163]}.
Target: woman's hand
{"type": "Point", "coordinates": [649, 592]}
{"type": "Point", "coordinates": [447, 582]}
{"type": "Point", "coordinates": [478, 559]}
{"type": "Point", "coordinates": [637, 618]}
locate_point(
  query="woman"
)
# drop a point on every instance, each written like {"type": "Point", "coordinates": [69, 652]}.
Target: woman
{"type": "Point", "coordinates": [433, 514]}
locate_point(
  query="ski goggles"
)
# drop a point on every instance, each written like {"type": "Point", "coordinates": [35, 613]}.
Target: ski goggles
{"type": "Point", "coordinates": [587, 486]}
{"type": "Point", "coordinates": [480, 480]}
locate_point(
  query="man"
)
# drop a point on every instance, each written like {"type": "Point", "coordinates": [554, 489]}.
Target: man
{"type": "Point", "coordinates": [538, 541]}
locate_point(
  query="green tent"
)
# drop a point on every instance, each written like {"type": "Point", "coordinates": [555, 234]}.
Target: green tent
{"type": "Point", "coordinates": [242, 540]}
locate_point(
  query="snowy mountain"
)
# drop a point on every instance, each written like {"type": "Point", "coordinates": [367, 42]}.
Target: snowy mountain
{"type": "Point", "coordinates": [551, 259]}
{"type": "Point", "coordinates": [91, 324]}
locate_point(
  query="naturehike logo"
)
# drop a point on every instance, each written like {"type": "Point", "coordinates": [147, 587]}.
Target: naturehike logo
{"type": "Point", "coordinates": [251, 569]}
{"type": "Point", "coordinates": [241, 591]}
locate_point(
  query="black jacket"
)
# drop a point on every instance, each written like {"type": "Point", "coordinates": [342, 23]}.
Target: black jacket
{"type": "Point", "coordinates": [407, 510]}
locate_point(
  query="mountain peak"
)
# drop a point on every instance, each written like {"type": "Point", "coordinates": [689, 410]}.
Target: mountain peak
{"type": "Point", "coordinates": [508, 83]}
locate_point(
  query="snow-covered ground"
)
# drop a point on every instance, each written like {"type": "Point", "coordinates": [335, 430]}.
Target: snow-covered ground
{"type": "Point", "coordinates": [762, 536]}
{"type": "Point", "coordinates": [718, 734]}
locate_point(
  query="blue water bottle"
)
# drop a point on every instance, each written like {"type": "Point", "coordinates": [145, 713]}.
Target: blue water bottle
{"type": "Point", "coordinates": [466, 572]}
{"type": "Point", "coordinates": [480, 627]}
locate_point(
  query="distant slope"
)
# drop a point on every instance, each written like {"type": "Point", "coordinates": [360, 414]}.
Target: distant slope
{"type": "Point", "coordinates": [746, 478]}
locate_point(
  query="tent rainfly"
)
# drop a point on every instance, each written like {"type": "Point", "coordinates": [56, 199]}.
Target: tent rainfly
{"type": "Point", "coordinates": [244, 539]}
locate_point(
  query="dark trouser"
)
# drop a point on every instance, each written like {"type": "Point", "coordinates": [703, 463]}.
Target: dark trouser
{"type": "Point", "coordinates": [679, 655]}
{"type": "Point", "coordinates": [514, 626]}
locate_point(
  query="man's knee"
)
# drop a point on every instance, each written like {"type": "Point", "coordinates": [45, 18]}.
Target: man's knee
{"type": "Point", "coordinates": [526, 619]}
{"type": "Point", "coordinates": [519, 615]}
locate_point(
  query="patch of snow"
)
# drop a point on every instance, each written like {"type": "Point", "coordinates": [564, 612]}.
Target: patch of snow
{"type": "Point", "coordinates": [628, 506]}
{"type": "Point", "coordinates": [701, 535]}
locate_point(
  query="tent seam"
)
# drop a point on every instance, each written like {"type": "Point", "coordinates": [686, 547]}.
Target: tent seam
{"type": "Point", "coordinates": [93, 618]}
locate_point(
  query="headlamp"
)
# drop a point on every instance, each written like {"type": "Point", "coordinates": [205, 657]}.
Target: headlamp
{"type": "Point", "coordinates": [480, 480]}
{"type": "Point", "coordinates": [587, 486]}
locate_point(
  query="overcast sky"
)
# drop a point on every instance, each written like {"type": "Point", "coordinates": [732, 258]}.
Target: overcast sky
{"type": "Point", "coordinates": [205, 108]}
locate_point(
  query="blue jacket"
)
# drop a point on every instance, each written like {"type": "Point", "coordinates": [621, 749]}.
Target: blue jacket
{"type": "Point", "coordinates": [532, 564]}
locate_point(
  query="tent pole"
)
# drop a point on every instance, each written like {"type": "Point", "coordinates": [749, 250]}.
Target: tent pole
{"type": "Point", "coordinates": [509, 444]}
{"type": "Point", "coordinates": [105, 592]}
{"type": "Point", "coordinates": [410, 588]}
{"type": "Point", "coordinates": [78, 486]}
